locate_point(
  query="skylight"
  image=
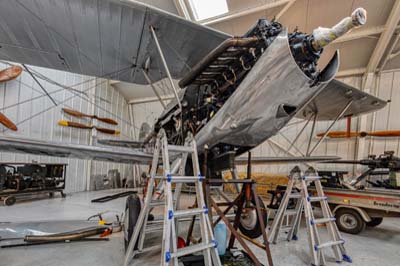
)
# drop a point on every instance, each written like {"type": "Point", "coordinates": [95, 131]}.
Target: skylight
{"type": "Point", "coordinates": [204, 9]}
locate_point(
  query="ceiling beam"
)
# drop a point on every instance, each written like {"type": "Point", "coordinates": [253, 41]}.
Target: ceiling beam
{"type": "Point", "coordinates": [396, 54]}
{"type": "Point", "coordinates": [183, 10]}
{"type": "Point", "coordinates": [360, 33]}
{"type": "Point", "coordinates": [389, 53]}
{"type": "Point", "coordinates": [351, 72]}
{"type": "Point", "coordinates": [284, 9]}
{"type": "Point", "coordinates": [384, 40]}
{"type": "Point", "coordinates": [245, 12]}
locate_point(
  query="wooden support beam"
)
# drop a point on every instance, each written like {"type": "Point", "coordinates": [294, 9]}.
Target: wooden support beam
{"type": "Point", "coordinates": [351, 72]}
{"type": "Point", "coordinates": [384, 40]}
{"type": "Point", "coordinates": [360, 33]}
{"type": "Point", "coordinates": [284, 9]}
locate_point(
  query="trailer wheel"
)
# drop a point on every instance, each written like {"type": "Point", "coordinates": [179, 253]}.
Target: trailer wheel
{"type": "Point", "coordinates": [249, 225]}
{"type": "Point", "coordinates": [132, 211]}
{"type": "Point", "coordinates": [10, 200]}
{"type": "Point", "coordinates": [349, 221]}
{"type": "Point", "coordinates": [375, 221]}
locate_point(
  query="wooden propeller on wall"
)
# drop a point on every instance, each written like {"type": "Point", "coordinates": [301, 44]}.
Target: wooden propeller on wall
{"type": "Point", "coordinates": [7, 122]}
{"type": "Point", "coordinates": [10, 73]}
{"type": "Point", "coordinates": [344, 134]}
{"type": "Point", "coordinates": [66, 123]}
{"type": "Point", "coordinates": [80, 114]}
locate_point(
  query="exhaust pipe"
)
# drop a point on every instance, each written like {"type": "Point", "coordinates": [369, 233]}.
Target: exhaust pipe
{"type": "Point", "coordinates": [324, 36]}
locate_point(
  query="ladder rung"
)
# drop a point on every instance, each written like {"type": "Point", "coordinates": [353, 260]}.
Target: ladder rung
{"type": "Point", "coordinates": [153, 228]}
{"type": "Point", "coordinates": [190, 212]}
{"type": "Point", "coordinates": [290, 212]}
{"type": "Point", "coordinates": [311, 178]}
{"type": "Point", "coordinates": [176, 148]}
{"type": "Point", "coordinates": [157, 203]}
{"type": "Point", "coordinates": [328, 244]}
{"type": "Point", "coordinates": [285, 228]}
{"type": "Point", "coordinates": [314, 199]}
{"type": "Point", "coordinates": [295, 196]}
{"type": "Point", "coordinates": [184, 179]}
{"type": "Point", "coordinates": [323, 220]}
{"type": "Point", "coordinates": [192, 249]}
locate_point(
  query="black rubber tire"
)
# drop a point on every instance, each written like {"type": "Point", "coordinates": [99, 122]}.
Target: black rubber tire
{"type": "Point", "coordinates": [359, 223]}
{"type": "Point", "coordinates": [375, 221]}
{"type": "Point", "coordinates": [10, 200]}
{"type": "Point", "coordinates": [132, 211]}
{"type": "Point", "coordinates": [256, 230]}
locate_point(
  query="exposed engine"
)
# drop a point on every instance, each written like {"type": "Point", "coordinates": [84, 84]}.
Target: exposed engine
{"type": "Point", "coordinates": [214, 79]}
{"type": "Point", "coordinates": [211, 82]}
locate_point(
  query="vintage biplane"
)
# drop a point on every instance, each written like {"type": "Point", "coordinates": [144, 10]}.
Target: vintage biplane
{"type": "Point", "coordinates": [235, 92]}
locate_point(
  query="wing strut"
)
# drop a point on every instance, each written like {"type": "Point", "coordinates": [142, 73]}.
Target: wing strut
{"type": "Point", "coordinates": [166, 66]}
{"type": "Point", "coordinates": [146, 76]}
{"type": "Point", "coordinates": [329, 128]}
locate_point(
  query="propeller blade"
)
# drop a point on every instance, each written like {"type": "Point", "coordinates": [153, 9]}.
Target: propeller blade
{"type": "Point", "coordinates": [80, 114]}
{"type": "Point", "coordinates": [106, 120]}
{"type": "Point", "coordinates": [10, 73]}
{"type": "Point", "coordinates": [388, 133]}
{"type": "Point", "coordinates": [66, 123]}
{"type": "Point", "coordinates": [108, 131]}
{"type": "Point", "coordinates": [7, 122]}
{"type": "Point", "coordinates": [343, 134]}
{"type": "Point", "coordinates": [75, 113]}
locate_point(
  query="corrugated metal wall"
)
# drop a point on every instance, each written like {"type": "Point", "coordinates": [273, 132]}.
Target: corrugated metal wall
{"type": "Point", "coordinates": [388, 87]}
{"type": "Point", "coordinates": [23, 101]}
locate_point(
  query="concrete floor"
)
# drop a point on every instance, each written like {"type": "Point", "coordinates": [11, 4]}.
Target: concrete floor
{"type": "Point", "coordinates": [373, 247]}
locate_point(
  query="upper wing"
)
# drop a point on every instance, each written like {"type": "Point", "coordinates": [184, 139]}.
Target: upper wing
{"type": "Point", "coordinates": [40, 147]}
{"type": "Point", "coordinates": [103, 38]}
{"type": "Point", "coordinates": [335, 96]}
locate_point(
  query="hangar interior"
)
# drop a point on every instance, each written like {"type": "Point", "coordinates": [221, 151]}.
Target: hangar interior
{"type": "Point", "coordinates": [33, 101]}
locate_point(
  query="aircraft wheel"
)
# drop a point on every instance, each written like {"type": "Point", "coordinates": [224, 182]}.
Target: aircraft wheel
{"type": "Point", "coordinates": [10, 200]}
{"type": "Point", "coordinates": [375, 221]}
{"type": "Point", "coordinates": [132, 211]}
{"type": "Point", "coordinates": [249, 224]}
{"type": "Point", "coordinates": [349, 221]}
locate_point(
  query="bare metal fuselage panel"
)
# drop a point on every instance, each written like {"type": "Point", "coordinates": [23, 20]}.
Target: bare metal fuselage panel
{"type": "Point", "coordinates": [266, 100]}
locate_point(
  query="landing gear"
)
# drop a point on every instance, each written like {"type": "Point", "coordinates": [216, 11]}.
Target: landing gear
{"type": "Point", "coordinates": [132, 211]}
{"type": "Point", "coordinates": [249, 223]}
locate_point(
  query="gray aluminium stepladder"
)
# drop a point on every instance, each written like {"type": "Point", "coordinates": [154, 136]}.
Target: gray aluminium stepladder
{"type": "Point", "coordinates": [174, 173]}
{"type": "Point", "coordinates": [303, 203]}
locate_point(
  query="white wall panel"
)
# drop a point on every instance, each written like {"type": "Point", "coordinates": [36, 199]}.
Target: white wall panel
{"type": "Point", "coordinates": [37, 117]}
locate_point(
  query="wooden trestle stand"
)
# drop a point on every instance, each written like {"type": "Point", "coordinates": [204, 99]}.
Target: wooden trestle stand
{"type": "Point", "coordinates": [245, 198]}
